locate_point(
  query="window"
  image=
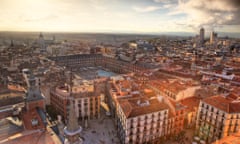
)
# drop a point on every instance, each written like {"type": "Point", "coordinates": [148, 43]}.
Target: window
{"type": "Point", "coordinates": [146, 117]}
{"type": "Point", "coordinates": [212, 109]}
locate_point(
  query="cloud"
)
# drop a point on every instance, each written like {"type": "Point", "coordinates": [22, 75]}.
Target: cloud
{"type": "Point", "coordinates": [45, 18]}
{"type": "Point", "coordinates": [164, 1]}
{"type": "Point", "coordinates": [146, 9]}
{"type": "Point", "coordinates": [167, 6]}
{"type": "Point", "coordinates": [209, 13]}
{"type": "Point", "coordinates": [98, 4]}
{"type": "Point", "coordinates": [159, 1]}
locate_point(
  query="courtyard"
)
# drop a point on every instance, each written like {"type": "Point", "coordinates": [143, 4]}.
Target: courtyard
{"type": "Point", "coordinates": [90, 73]}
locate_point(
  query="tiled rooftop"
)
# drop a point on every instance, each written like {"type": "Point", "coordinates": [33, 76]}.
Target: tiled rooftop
{"type": "Point", "coordinates": [172, 85]}
{"type": "Point", "coordinates": [131, 108]}
{"type": "Point", "coordinates": [10, 96]}
{"type": "Point", "coordinates": [224, 104]}
{"type": "Point", "coordinates": [32, 137]}
{"type": "Point", "coordinates": [191, 103]}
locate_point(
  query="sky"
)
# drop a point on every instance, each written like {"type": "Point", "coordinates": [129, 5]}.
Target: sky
{"type": "Point", "coordinates": [126, 16]}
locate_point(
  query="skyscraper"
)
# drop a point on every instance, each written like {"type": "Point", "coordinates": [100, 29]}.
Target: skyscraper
{"type": "Point", "coordinates": [213, 37]}
{"type": "Point", "coordinates": [41, 42]}
{"type": "Point", "coordinates": [202, 36]}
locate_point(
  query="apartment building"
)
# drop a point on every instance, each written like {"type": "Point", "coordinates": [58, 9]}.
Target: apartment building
{"type": "Point", "coordinates": [175, 89]}
{"type": "Point", "coordinates": [86, 101]}
{"type": "Point", "coordinates": [141, 120]}
{"type": "Point", "coordinates": [140, 114]}
{"type": "Point", "coordinates": [59, 100]}
{"type": "Point", "coordinates": [93, 60]}
{"type": "Point", "coordinates": [218, 117]}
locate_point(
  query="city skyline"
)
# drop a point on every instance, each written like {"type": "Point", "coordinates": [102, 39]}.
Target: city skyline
{"type": "Point", "coordinates": [118, 72]}
{"type": "Point", "coordinates": [136, 16]}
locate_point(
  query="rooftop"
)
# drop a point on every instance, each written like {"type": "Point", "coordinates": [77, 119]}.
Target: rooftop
{"type": "Point", "coordinates": [223, 103]}
{"type": "Point", "coordinates": [32, 136]}
{"type": "Point", "coordinates": [140, 106]}
{"type": "Point", "coordinates": [33, 95]}
{"type": "Point", "coordinates": [173, 85]}
{"type": "Point", "coordinates": [10, 95]}
{"type": "Point", "coordinates": [191, 103]}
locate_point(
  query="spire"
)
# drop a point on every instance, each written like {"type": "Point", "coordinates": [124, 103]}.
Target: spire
{"type": "Point", "coordinates": [72, 124]}
{"type": "Point", "coordinates": [72, 120]}
{"type": "Point", "coordinates": [72, 131]}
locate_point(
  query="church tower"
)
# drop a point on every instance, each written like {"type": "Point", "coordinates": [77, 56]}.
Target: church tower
{"type": "Point", "coordinates": [34, 113]}
{"type": "Point", "coordinates": [72, 131]}
{"type": "Point", "coordinates": [34, 98]}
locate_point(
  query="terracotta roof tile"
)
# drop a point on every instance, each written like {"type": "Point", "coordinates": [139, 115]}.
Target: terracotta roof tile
{"type": "Point", "coordinates": [191, 103]}
{"type": "Point", "coordinates": [131, 108]}
{"type": "Point", "coordinates": [224, 104]}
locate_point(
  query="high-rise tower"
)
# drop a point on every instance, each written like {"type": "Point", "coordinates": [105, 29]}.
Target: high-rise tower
{"type": "Point", "coordinates": [72, 131]}
{"type": "Point", "coordinates": [213, 37]}
{"type": "Point", "coordinates": [11, 44]}
{"type": "Point", "coordinates": [201, 36]}
{"type": "Point", "coordinates": [41, 42]}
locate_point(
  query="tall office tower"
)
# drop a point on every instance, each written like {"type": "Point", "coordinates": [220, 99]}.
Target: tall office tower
{"type": "Point", "coordinates": [41, 43]}
{"type": "Point", "coordinates": [213, 37]}
{"type": "Point", "coordinates": [202, 36]}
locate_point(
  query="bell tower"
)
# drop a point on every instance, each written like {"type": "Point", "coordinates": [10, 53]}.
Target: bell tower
{"type": "Point", "coordinates": [34, 113]}
{"type": "Point", "coordinates": [34, 98]}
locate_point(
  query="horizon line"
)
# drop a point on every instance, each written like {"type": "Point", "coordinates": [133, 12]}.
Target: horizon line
{"type": "Point", "coordinates": [170, 33]}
